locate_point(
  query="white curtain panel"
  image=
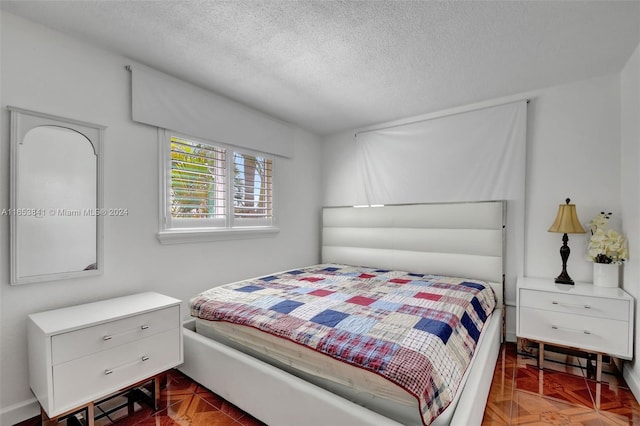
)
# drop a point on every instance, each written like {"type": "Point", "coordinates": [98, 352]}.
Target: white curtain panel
{"type": "Point", "coordinates": [471, 156]}
{"type": "Point", "coordinates": [164, 101]}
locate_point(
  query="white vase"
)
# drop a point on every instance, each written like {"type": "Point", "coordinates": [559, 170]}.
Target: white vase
{"type": "Point", "coordinates": [606, 274]}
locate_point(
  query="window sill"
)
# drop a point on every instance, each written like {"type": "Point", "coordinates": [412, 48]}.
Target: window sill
{"type": "Point", "coordinates": [179, 236]}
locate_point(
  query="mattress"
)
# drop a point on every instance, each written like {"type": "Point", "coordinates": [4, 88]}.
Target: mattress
{"type": "Point", "coordinates": [368, 297]}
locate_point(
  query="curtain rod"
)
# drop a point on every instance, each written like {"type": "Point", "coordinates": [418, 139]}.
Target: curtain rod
{"type": "Point", "coordinates": [433, 118]}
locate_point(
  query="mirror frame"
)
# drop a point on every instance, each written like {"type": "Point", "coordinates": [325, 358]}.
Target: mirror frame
{"type": "Point", "coordinates": [22, 121]}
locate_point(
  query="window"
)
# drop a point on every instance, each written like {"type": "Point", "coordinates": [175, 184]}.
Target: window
{"type": "Point", "coordinates": [252, 194]}
{"type": "Point", "coordinates": [197, 190]}
{"type": "Point", "coordinates": [213, 191]}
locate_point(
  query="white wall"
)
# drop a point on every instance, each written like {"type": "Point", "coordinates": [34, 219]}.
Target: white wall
{"type": "Point", "coordinates": [47, 71]}
{"type": "Point", "coordinates": [630, 193]}
{"type": "Point", "coordinates": [573, 150]}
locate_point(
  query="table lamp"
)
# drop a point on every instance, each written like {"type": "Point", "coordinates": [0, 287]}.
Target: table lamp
{"type": "Point", "coordinates": [566, 223]}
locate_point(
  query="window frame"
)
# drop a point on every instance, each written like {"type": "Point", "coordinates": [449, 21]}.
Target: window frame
{"type": "Point", "coordinates": [168, 233]}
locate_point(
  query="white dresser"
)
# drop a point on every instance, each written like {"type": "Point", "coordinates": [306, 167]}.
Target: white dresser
{"type": "Point", "coordinates": [82, 353]}
{"type": "Point", "coordinates": [593, 319]}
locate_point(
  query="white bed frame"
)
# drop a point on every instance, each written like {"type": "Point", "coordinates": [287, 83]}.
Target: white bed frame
{"type": "Point", "coordinates": [455, 239]}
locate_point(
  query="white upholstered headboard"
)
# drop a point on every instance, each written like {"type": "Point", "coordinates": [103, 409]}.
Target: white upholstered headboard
{"type": "Point", "coordinates": [454, 239]}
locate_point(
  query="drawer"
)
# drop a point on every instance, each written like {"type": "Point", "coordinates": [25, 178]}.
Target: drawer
{"type": "Point", "coordinates": [589, 333]}
{"type": "Point", "coordinates": [79, 343]}
{"type": "Point", "coordinates": [616, 309]}
{"type": "Point", "coordinates": [89, 378]}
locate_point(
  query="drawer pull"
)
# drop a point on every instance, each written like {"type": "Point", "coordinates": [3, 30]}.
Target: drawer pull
{"type": "Point", "coordinates": [571, 305]}
{"type": "Point", "coordinates": [143, 358]}
{"type": "Point", "coordinates": [555, 327]}
{"type": "Point", "coordinates": [133, 330]}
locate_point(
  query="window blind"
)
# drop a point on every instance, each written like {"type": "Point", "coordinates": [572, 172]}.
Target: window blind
{"type": "Point", "coordinates": [471, 156]}
{"type": "Point", "coordinates": [198, 174]}
{"type": "Point", "coordinates": [252, 187]}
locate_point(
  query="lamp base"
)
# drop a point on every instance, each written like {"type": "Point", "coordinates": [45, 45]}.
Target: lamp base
{"type": "Point", "coordinates": [564, 278]}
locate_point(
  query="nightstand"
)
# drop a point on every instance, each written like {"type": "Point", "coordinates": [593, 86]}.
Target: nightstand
{"type": "Point", "coordinates": [593, 319]}
{"type": "Point", "coordinates": [80, 354]}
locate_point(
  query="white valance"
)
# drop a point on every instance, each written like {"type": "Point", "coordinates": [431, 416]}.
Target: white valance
{"type": "Point", "coordinates": [471, 156]}
{"type": "Point", "coordinates": [164, 101]}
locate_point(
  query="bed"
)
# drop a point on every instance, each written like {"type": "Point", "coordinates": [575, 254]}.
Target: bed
{"type": "Point", "coordinates": [456, 247]}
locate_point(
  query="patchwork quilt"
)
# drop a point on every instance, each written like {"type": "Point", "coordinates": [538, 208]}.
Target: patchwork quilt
{"type": "Point", "coordinates": [418, 331]}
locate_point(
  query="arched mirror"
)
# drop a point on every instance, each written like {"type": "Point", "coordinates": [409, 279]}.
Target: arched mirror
{"type": "Point", "coordinates": [56, 198]}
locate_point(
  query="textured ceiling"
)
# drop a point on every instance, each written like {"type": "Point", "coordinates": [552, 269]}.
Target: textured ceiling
{"type": "Point", "coordinates": [334, 65]}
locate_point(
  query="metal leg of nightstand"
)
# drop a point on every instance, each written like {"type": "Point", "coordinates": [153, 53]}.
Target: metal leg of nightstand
{"type": "Point", "coordinates": [46, 421]}
{"type": "Point", "coordinates": [69, 415]}
{"type": "Point", "coordinates": [540, 355]}
{"type": "Point", "coordinates": [91, 415]}
{"type": "Point", "coordinates": [599, 367]}
{"type": "Point", "coordinates": [156, 391]}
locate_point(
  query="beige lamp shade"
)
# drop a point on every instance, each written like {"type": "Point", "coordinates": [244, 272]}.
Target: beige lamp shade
{"type": "Point", "coordinates": [567, 221]}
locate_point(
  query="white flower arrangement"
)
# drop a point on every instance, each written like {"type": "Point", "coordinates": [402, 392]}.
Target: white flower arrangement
{"type": "Point", "coordinates": [605, 245]}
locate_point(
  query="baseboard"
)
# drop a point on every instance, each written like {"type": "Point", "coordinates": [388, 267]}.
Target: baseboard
{"type": "Point", "coordinates": [20, 412]}
{"type": "Point", "coordinates": [632, 379]}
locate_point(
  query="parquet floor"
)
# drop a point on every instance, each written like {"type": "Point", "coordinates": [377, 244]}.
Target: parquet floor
{"type": "Point", "coordinates": [521, 394]}
{"type": "Point", "coordinates": [559, 394]}
{"type": "Point", "coordinates": [183, 402]}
